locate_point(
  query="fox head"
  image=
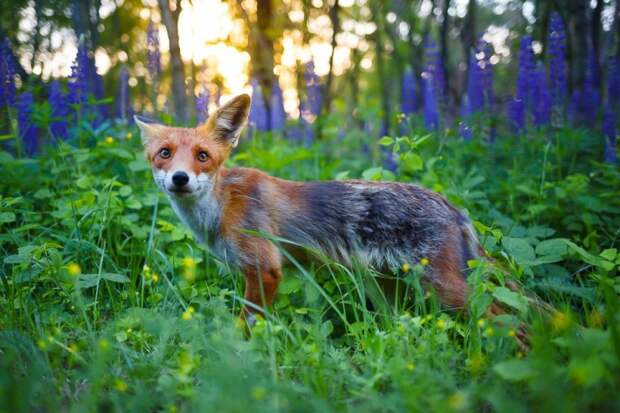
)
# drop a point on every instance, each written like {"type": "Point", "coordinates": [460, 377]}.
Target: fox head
{"type": "Point", "coordinates": [185, 161]}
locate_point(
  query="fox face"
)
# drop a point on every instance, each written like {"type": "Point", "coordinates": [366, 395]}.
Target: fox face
{"type": "Point", "coordinates": [185, 161]}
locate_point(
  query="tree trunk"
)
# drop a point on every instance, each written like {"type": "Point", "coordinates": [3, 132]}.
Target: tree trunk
{"type": "Point", "coordinates": [263, 49]}
{"type": "Point", "coordinates": [335, 20]}
{"type": "Point", "coordinates": [596, 29]}
{"type": "Point", "coordinates": [381, 72]}
{"type": "Point", "coordinates": [443, 44]}
{"type": "Point", "coordinates": [468, 40]}
{"type": "Point", "coordinates": [171, 21]}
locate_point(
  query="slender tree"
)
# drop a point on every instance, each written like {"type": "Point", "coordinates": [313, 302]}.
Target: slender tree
{"type": "Point", "coordinates": [170, 17]}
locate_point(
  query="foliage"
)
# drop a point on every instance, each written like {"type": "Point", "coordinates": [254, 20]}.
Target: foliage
{"type": "Point", "coordinates": [107, 303]}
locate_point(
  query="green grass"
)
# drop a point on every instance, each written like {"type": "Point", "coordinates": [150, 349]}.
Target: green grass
{"type": "Point", "coordinates": [84, 327]}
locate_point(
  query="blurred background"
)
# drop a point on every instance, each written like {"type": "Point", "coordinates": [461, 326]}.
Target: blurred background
{"type": "Point", "coordinates": [372, 61]}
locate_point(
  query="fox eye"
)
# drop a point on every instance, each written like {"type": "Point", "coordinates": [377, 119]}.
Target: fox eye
{"type": "Point", "coordinates": [203, 156]}
{"type": "Point", "coordinates": [164, 153]}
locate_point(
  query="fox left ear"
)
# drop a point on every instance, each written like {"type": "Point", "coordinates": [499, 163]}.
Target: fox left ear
{"type": "Point", "coordinates": [148, 128]}
{"type": "Point", "coordinates": [230, 119]}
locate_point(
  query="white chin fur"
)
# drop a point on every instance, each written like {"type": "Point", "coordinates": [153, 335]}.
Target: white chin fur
{"type": "Point", "coordinates": [196, 186]}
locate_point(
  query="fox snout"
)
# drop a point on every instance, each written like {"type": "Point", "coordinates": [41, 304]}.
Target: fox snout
{"type": "Point", "coordinates": [181, 183]}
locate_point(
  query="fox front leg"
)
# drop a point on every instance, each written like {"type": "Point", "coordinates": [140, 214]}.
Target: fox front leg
{"type": "Point", "coordinates": [262, 276]}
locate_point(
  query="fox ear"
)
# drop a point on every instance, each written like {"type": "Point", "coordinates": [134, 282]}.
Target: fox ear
{"type": "Point", "coordinates": [229, 120]}
{"type": "Point", "coordinates": [149, 129]}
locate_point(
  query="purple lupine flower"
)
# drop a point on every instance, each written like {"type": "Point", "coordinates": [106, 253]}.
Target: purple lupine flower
{"type": "Point", "coordinates": [258, 110]}
{"type": "Point", "coordinates": [526, 79]}
{"type": "Point", "coordinates": [123, 101]}
{"type": "Point", "coordinates": [314, 94]}
{"type": "Point", "coordinates": [465, 131]}
{"type": "Point", "coordinates": [202, 106]}
{"type": "Point", "coordinates": [389, 162]}
{"type": "Point", "coordinates": [26, 127]}
{"type": "Point", "coordinates": [557, 63]}
{"type": "Point", "coordinates": [590, 97]}
{"type": "Point", "coordinates": [485, 49]}
{"type": "Point", "coordinates": [609, 131]}
{"type": "Point", "coordinates": [409, 101]}
{"type": "Point", "coordinates": [60, 111]}
{"type": "Point", "coordinates": [79, 78]}
{"type": "Point", "coordinates": [7, 75]}
{"type": "Point", "coordinates": [431, 109]}
{"type": "Point", "coordinates": [153, 52]}
{"type": "Point", "coordinates": [475, 91]}
{"type": "Point", "coordinates": [542, 99]}
{"type": "Point", "coordinates": [277, 113]}
{"type": "Point", "coordinates": [516, 115]}
{"type": "Point", "coordinates": [613, 82]}
{"type": "Point", "coordinates": [434, 66]}
{"type": "Point", "coordinates": [305, 125]}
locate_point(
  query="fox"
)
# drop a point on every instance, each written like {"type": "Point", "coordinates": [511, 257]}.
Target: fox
{"type": "Point", "coordinates": [380, 224]}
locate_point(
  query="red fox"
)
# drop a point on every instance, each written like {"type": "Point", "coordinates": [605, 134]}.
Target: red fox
{"type": "Point", "coordinates": [381, 224]}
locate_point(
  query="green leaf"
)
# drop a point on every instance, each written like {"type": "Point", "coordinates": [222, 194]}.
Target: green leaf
{"type": "Point", "coordinates": [514, 300]}
{"type": "Point", "coordinates": [373, 174]}
{"type": "Point", "coordinates": [519, 248]}
{"type": "Point", "coordinates": [555, 246]}
{"type": "Point", "coordinates": [609, 254]}
{"type": "Point", "coordinates": [6, 217]}
{"type": "Point", "coordinates": [514, 370]}
{"type": "Point", "coordinates": [386, 141]}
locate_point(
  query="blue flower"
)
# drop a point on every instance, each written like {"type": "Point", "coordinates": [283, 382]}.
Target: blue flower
{"type": "Point", "coordinates": [79, 78]}
{"type": "Point", "coordinates": [258, 110]}
{"type": "Point", "coordinates": [434, 69]}
{"type": "Point", "coordinates": [26, 127]}
{"type": "Point", "coordinates": [516, 115]}
{"type": "Point", "coordinates": [202, 106]}
{"type": "Point", "coordinates": [60, 111]}
{"type": "Point", "coordinates": [152, 52]}
{"type": "Point", "coordinates": [542, 98]}
{"type": "Point", "coordinates": [278, 115]}
{"type": "Point", "coordinates": [409, 101]}
{"type": "Point", "coordinates": [124, 110]}
{"type": "Point", "coordinates": [431, 109]}
{"type": "Point", "coordinates": [613, 82]}
{"type": "Point", "coordinates": [7, 75]}
{"type": "Point", "coordinates": [557, 61]}
{"type": "Point", "coordinates": [314, 95]}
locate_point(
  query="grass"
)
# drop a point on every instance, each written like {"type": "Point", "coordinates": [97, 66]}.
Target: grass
{"type": "Point", "coordinates": [108, 304]}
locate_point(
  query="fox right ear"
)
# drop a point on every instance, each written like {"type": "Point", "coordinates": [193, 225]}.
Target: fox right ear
{"type": "Point", "coordinates": [149, 129]}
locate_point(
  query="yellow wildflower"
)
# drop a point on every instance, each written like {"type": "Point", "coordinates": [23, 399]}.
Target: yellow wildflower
{"type": "Point", "coordinates": [155, 278]}
{"type": "Point", "coordinates": [489, 332]}
{"type": "Point", "coordinates": [187, 314]}
{"type": "Point", "coordinates": [129, 135]}
{"type": "Point", "coordinates": [406, 267]}
{"type": "Point", "coordinates": [109, 140]}
{"type": "Point", "coordinates": [481, 322]}
{"type": "Point", "coordinates": [441, 324]}
{"type": "Point", "coordinates": [424, 261]}
{"type": "Point", "coordinates": [560, 321]}
{"type": "Point", "coordinates": [120, 385]}
{"type": "Point", "coordinates": [74, 269]}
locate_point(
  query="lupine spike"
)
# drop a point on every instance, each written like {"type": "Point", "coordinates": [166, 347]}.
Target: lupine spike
{"type": "Point", "coordinates": [313, 90]}
{"type": "Point", "coordinates": [123, 103]}
{"type": "Point", "coordinates": [434, 66]}
{"type": "Point", "coordinates": [516, 115]}
{"type": "Point", "coordinates": [557, 67]}
{"type": "Point", "coordinates": [202, 106]}
{"type": "Point", "coordinates": [26, 127]}
{"type": "Point", "coordinates": [542, 99]}
{"type": "Point", "coordinates": [153, 52]}
{"type": "Point", "coordinates": [475, 91]}
{"type": "Point", "coordinates": [258, 110]}
{"type": "Point", "coordinates": [486, 50]}
{"type": "Point", "coordinates": [409, 92]}
{"type": "Point", "coordinates": [7, 74]}
{"type": "Point", "coordinates": [590, 97]}
{"type": "Point", "coordinates": [78, 81]}
{"type": "Point", "coordinates": [431, 109]}
{"type": "Point", "coordinates": [613, 82]}
{"type": "Point", "coordinates": [277, 113]}
{"type": "Point", "coordinates": [60, 111]}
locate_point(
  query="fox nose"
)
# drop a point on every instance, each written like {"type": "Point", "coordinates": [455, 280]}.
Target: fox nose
{"type": "Point", "coordinates": [180, 178]}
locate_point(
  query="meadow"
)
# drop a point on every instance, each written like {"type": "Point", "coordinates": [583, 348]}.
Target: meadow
{"type": "Point", "coordinates": [108, 304]}
{"type": "Point", "coordinates": [507, 108]}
